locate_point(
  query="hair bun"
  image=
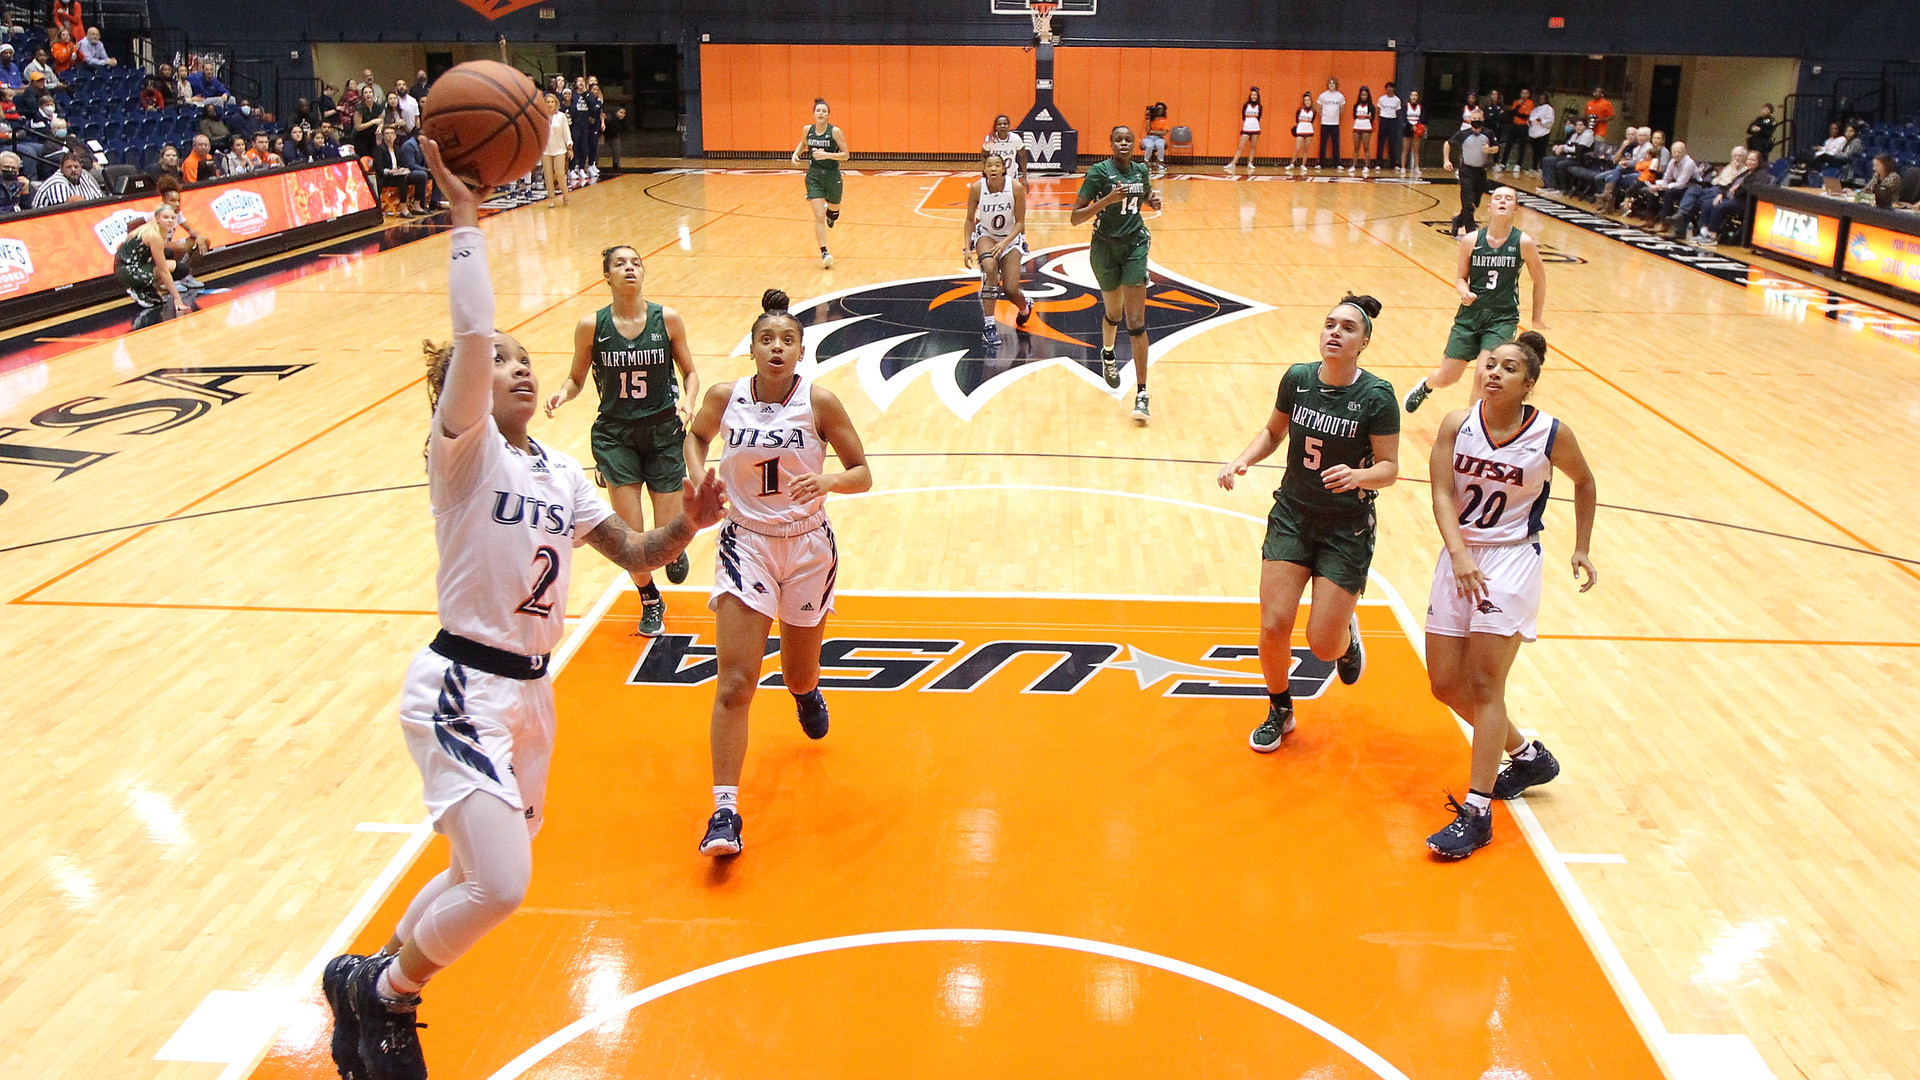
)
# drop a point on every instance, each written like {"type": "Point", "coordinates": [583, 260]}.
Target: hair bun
{"type": "Point", "coordinates": [1365, 303]}
{"type": "Point", "coordinates": [1534, 340]}
{"type": "Point", "coordinates": [773, 302]}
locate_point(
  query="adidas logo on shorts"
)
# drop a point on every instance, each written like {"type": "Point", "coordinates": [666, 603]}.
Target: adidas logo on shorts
{"type": "Point", "coordinates": [807, 606]}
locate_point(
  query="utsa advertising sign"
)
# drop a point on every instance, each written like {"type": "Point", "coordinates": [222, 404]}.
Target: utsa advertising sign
{"type": "Point", "coordinates": [1810, 237]}
{"type": "Point", "coordinates": [1885, 256]}
{"type": "Point", "coordinates": [41, 252]}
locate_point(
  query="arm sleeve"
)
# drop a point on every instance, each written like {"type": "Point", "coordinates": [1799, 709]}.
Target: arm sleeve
{"type": "Point", "coordinates": [467, 397]}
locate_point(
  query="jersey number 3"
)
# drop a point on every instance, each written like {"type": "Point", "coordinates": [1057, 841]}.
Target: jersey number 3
{"type": "Point", "coordinates": [1493, 280]}
{"type": "Point", "coordinates": [546, 571]}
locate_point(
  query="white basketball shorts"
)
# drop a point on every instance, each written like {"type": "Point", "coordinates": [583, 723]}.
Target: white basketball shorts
{"type": "Point", "coordinates": [471, 731]}
{"type": "Point", "coordinates": [1512, 602]}
{"type": "Point", "coordinates": [789, 578]}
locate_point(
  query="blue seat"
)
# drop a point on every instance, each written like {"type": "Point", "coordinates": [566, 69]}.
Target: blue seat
{"type": "Point", "coordinates": [93, 129]}
{"type": "Point", "coordinates": [1779, 169]}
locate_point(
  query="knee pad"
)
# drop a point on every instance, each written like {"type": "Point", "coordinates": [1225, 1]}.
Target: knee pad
{"type": "Point", "coordinates": [1110, 321]}
{"type": "Point", "coordinates": [833, 215]}
{"type": "Point", "coordinates": [1141, 329]}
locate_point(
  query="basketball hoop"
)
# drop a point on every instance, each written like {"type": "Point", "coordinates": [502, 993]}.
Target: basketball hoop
{"type": "Point", "coordinates": [1042, 13]}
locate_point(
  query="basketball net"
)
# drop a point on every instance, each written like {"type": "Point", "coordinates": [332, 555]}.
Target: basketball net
{"type": "Point", "coordinates": [1042, 13]}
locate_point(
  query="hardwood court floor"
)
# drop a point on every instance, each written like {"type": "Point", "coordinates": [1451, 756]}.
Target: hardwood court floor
{"type": "Point", "coordinates": [208, 626]}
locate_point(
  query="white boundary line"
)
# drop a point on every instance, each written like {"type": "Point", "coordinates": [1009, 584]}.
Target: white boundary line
{"type": "Point", "coordinates": [1639, 1007]}
{"type": "Point", "coordinates": [377, 892]}
{"type": "Point", "coordinates": [618, 1008]}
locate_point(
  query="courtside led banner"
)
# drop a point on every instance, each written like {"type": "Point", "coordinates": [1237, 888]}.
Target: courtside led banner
{"type": "Point", "coordinates": [1882, 255]}
{"type": "Point", "coordinates": [49, 251]}
{"type": "Point", "coordinates": [1795, 232]}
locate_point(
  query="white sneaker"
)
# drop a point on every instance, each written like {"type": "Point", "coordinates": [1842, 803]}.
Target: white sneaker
{"type": "Point", "coordinates": [826, 260]}
{"type": "Point", "coordinates": [1140, 406]}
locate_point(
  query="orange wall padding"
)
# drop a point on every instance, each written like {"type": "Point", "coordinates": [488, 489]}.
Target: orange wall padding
{"type": "Point", "coordinates": [941, 99]}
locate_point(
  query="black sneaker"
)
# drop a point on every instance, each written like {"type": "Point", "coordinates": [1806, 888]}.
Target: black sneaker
{"type": "Point", "coordinates": [1468, 833]}
{"type": "Point", "coordinates": [990, 336]}
{"type": "Point", "coordinates": [1025, 314]}
{"type": "Point", "coordinates": [678, 568]}
{"type": "Point", "coordinates": [335, 982]}
{"type": "Point", "coordinates": [1417, 396]}
{"type": "Point", "coordinates": [1110, 368]}
{"type": "Point", "coordinates": [1278, 725]}
{"type": "Point", "coordinates": [1355, 661]}
{"type": "Point", "coordinates": [723, 834]}
{"type": "Point", "coordinates": [388, 1042]}
{"type": "Point", "coordinates": [813, 713]}
{"type": "Point", "coordinates": [1518, 776]}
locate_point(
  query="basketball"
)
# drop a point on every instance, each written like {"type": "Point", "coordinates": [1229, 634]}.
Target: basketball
{"type": "Point", "coordinates": [489, 120]}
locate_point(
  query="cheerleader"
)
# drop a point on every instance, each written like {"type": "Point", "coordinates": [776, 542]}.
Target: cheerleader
{"type": "Point", "coordinates": [1416, 129]}
{"type": "Point", "coordinates": [1362, 132]}
{"type": "Point", "coordinates": [1486, 586]}
{"type": "Point", "coordinates": [1302, 132]}
{"type": "Point", "coordinates": [1250, 111]}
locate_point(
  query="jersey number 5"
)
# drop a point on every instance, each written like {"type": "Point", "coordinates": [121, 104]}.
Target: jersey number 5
{"type": "Point", "coordinates": [546, 571]}
{"type": "Point", "coordinates": [1310, 453]}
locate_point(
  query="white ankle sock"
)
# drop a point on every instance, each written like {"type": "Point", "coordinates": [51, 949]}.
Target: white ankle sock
{"type": "Point", "coordinates": [394, 983]}
{"type": "Point", "coordinates": [1479, 803]}
{"type": "Point", "coordinates": [1527, 752]}
{"type": "Point", "coordinates": [726, 798]}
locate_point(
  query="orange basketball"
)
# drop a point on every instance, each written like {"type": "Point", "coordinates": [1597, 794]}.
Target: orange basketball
{"type": "Point", "coordinates": [489, 120]}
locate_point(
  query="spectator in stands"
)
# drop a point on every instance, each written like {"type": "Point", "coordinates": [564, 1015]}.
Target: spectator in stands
{"type": "Point", "coordinates": [261, 154]}
{"type": "Point", "coordinates": [1563, 156]}
{"type": "Point", "coordinates": [205, 88]}
{"type": "Point", "coordinates": [71, 184]}
{"type": "Point", "coordinates": [1760, 132]}
{"type": "Point", "coordinates": [406, 103]}
{"type": "Point", "coordinates": [393, 173]}
{"type": "Point", "coordinates": [1833, 152]}
{"type": "Point", "coordinates": [35, 96]}
{"type": "Point", "coordinates": [419, 87]}
{"type": "Point", "coordinates": [305, 113]}
{"type": "Point", "coordinates": [234, 161]}
{"type": "Point", "coordinates": [68, 16]}
{"type": "Point", "coordinates": [1626, 159]}
{"type": "Point", "coordinates": [391, 115]}
{"type": "Point", "coordinates": [415, 159]}
{"type": "Point", "coordinates": [168, 167]}
{"type": "Point", "coordinates": [1725, 198]}
{"type": "Point", "coordinates": [1515, 142]}
{"type": "Point", "coordinates": [1494, 112]}
{"type": "Point", "coordinates": [153, 95]}
{"type": "Point", "coordinates": [50, 140]}
{"type": "Point", "coordinates": [298, 145]}
{"type": "Point", "coordinates": [326, 141]}
{"type": "Point", "coordinates": [9, 111]}
{"type": "Point", "coordinates": [61, 46]}
{"type": "Point", "coordinates": [212, 126]}
{"type": "Point", "coordinates": [1706, 187]}
{"type": "Point", "coordinates": [14, 188]}
{"type": "Point", "coordinates": [1681, 173]}
{"type": "Point", "coordinates": [93, 51]}
{"type": "Point", "coordinates": [200, 164]}
{"type": "Point", "coordinates": [163, 75]}
{"type": "Point", "coordinates": [1540, 130]}
{"type": "Point", "coordinates": [1599, 112]}
{"type": "Point", "coordinates": [1583, 174]}
{"type": "Point", "coordinates": [369, 88]}
{"type": "Point", "coordinates": [1883, 187]}
{"type": "Point", "coordinates": [365, 131]}
{"type": "Point", "coordinates": [10, 73]}
{"type": "Point", "coordinates": [42, 64]}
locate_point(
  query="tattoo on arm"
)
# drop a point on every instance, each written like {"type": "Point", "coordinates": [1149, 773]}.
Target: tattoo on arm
{"type": "Point", "coordinates": [637, 551]}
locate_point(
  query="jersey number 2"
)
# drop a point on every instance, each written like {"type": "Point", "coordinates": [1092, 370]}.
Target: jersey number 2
{"type": "Point", "coordinates": [546, 571]}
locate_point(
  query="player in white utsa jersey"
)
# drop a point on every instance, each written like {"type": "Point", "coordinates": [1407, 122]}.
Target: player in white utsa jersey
{"type": "Point", "coordinates": [1486, 588]}
{"type": "Point", "coordinates": [777, 558]}
{"type": "Point", "coordinates": [996, 234]}
{"type": "Point", "coordinates": [477, 709]}
{"type": "Point", "coordinates": [1008, 147]}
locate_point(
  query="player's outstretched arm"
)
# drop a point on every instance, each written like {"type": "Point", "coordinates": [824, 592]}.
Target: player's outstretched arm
{"type": "Point", "coordinates": [467, 396]}
{"type": "Point", "coordinates": [638, 552]}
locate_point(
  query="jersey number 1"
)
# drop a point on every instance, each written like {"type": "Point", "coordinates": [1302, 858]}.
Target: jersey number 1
{"type": "Point", "coordinates": [769, 476]}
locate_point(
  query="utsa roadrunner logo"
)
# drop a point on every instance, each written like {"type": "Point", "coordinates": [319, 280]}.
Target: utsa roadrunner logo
{"type": "Point", "coordinates": [899, 331]}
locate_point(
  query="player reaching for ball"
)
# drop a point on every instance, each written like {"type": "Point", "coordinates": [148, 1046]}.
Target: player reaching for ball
{"type": "Point", "coordinates": [1488, 281]}
{"type": "Point", "coordinates": [824, 146]}
{"type": "Point", "coordinates": [777, 557]}
{"type": "Point", "coordinates": [1491, 464]}
{"type": "Point", "coordinates": [477, 708]}
{"type": "Point", "coordinates": [1111, 196]}
{"type": "Point", "coordinates": [1343, 445]}
{"type": "Point", "coordinates": [996, 232]}
{"type": "Point", "coordinates": [632, 347]}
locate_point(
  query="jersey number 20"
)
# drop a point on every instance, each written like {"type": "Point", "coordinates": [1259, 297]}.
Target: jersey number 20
{"type": "Point", "coordinates": [1496, 505]}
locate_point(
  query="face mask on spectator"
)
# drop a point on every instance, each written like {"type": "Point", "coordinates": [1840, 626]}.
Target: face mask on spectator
{"type": "Point", "coordinates": [9, 175]}
{"type": "Point", "coordinates": [59, 129]}
{"type": "Point", "coordinates": [246, 110]}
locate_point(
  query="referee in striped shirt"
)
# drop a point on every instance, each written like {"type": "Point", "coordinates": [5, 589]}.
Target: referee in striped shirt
{"type": "Point", "coordinates": [71, 184]}
{"type": "Point", "coordinates": [1472, 143]}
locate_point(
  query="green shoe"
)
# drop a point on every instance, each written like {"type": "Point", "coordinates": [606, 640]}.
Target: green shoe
{"type": "Point", "coordinates": [677, 569]}
{"type": "Point", "coordinates": [1278, 724]}
{"type": "Point", "coordinates": [653, 618]}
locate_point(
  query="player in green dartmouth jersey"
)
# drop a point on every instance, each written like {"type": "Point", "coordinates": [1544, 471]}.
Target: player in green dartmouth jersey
{"type": "Point", "coordinates": [1488, 280]}
{"type": "Point", "coordinates": [1111, 197]}
{"type": "Point", "coordinates": [825, 146]}
{"type": "Point", "coordinates": [1342, 431]}
{"type": "Point", "coordinates": [632, 347]}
